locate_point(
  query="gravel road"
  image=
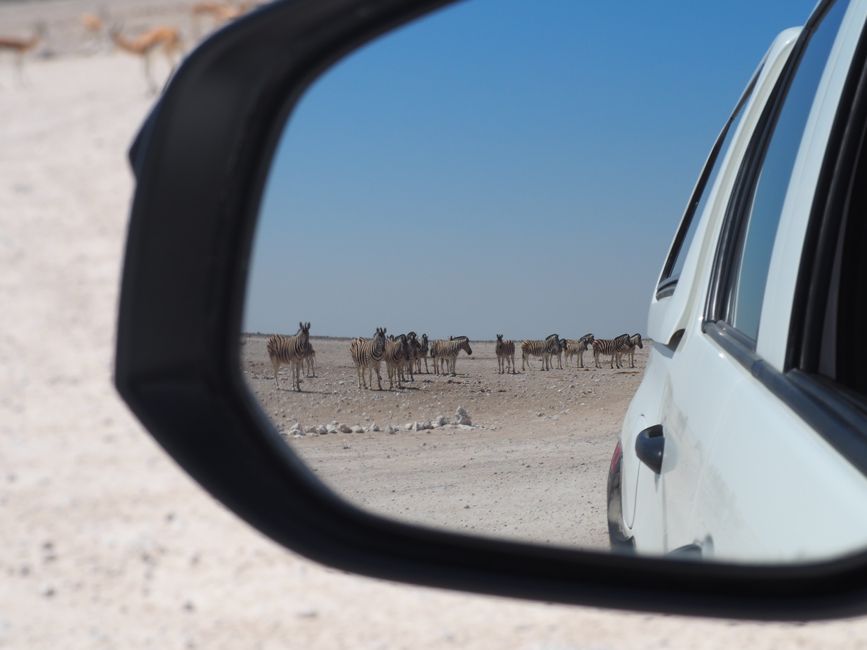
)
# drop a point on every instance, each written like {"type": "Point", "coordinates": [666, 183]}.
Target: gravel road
{"type": "Point", "coordinates": [533, 466]}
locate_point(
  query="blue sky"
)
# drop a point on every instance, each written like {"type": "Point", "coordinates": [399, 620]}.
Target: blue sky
{"type": "Point", "coordinates": [501, 166]}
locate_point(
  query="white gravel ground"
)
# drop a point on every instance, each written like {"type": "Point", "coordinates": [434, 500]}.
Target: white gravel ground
{"type": "Point", "coordinates": [105, 542]}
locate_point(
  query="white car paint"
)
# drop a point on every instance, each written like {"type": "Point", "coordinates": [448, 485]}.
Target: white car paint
{"type": "Point", "coordinates": [743, 477]}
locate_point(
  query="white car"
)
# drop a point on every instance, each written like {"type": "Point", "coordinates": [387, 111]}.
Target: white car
{"type": "Point", "coordinates": [747, 439]}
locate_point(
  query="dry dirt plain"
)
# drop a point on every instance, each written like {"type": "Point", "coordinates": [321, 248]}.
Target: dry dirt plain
{"type": "Point", "coordinates": [106, 543]}
{"type": "Point", "coordinates": [533, 466]}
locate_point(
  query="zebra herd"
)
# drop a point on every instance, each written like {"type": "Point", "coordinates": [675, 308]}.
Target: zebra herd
{"type": "Point", "coordinates": [553, 346]}
{"type": "Point", "coordinates": [403, 354]}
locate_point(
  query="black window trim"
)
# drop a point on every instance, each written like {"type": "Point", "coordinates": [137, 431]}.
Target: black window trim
{"type": "Point", "coordinates": [835, 413]}
{"type": "Point", "coordinates": [667, 283]}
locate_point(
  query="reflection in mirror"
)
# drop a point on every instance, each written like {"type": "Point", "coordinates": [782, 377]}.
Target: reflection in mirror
{"type": "Point", "coordinates": [459, 239]}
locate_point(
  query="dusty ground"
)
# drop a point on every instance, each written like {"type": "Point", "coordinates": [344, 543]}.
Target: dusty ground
{"type": "Point", "coordinates": [105, 542]}
{"type": "Point", "coordinates": [533, 466]}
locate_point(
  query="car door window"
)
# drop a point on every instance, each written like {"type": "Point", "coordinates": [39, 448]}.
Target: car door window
{"type": "Point", "coordinates": [841, 357]}
{"type": "Point", "coordinates": [758, 202]}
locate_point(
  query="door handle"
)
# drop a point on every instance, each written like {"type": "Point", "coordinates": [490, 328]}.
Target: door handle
{"type": "Point", "coordinates": [649, 447]}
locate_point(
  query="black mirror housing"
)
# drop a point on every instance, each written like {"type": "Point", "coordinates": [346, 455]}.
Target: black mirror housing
{"type": "Point", "coordinates": [200, 163]}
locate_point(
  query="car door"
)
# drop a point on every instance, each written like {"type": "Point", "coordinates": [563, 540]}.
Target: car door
{"type": "Point", "coordinates": [676, 304]}
{"type": "Point", "coordinates": [735, 448]}
{"type": "Point", "coordinates": [765, 451]}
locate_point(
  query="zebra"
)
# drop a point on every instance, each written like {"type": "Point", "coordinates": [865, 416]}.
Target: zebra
{"type": "Point", "coordinates": [558, 348]}
{"type": "Point", "coordinates": [413, 356]}
{"type": "Point", "coordinates": [576, 347]}
{"type": "Point", "coordinates": [433, 357]}
{"type": "Point", "coordinates": [609, 347]}
{"type": "Point", "coordinates": [396, 354]}
{"type": "Point", "coordinates": [290, 350]}
{"type": "Point", "coordinates": [310, 361]}
{"type": "Point", "coordinates": [421, 353]}
{"type": "Point", "coordinates": [446, 352]}
{"type": "Point", "coordinates": [628, 348]}
{"type": "Point", "coordinates": [537, 348]}
{"type": "Point", "coordinates": [505, 355]}
{"type": "Point", "coordinates": [439, 363]}
{"type": "Point", "coordinates": [368, 353]}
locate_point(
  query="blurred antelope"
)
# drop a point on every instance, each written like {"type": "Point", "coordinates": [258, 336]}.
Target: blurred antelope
{"type": "Point", "coordinates": [164, 38]}
{"type": "Point", "coordinates": [21, 46]}
{"type": "Point", "coordinates": [218, 12]}
{"type": "Point", "coordinates": [94, 27]}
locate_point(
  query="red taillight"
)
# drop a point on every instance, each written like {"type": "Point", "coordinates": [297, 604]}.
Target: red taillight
{"type": "Point", "coordinates": [618, 454]}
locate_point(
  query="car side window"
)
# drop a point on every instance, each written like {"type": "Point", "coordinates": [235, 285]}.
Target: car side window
{"type": "Point", "coordinates": [698, 199]}
{"type": "Point", "coordinates": [836, 303]}
{"type": "Point", "coordinates": [756, 206]}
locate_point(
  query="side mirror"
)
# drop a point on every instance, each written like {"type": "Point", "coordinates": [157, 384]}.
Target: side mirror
{"type": "Point", "coordinates": [202, 163]}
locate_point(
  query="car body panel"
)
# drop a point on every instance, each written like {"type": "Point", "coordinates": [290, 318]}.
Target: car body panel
{"type": "Point", "coordinates": [736, 456]}
{"type": "Point", "coordinates": [673, 313]}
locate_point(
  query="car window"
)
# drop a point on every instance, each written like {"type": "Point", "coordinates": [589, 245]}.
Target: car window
{"type": "Point", "coordinates": [761, 211]}
{"type": "Point", "coordinates": [842, 359]}
{"type": "Point", "coordinates": [698, 200]}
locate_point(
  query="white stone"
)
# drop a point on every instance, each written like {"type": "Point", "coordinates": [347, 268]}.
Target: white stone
{"type": "Point", "coordinates": [322, 429]}
{"type": "Point", "coordinates": [357, 429]}
{"type": "Point", "coordinates": [374, 427]}
{"type": "Point", "coordinates": [408, 426]}
{"type": "Point", "coordinates": [440, 421]}
{"type": "Point", "coordinates": [462, 417]}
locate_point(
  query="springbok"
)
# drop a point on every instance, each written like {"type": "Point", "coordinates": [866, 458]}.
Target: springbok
{"type": "Point", "coordinates": [164, 38]}
{"type": "Point", "coordinates": [21, 46]}
{"type": "Point", "coordinates": [94, 27]}
{"type": "Point", "coordinates": [219, 12]}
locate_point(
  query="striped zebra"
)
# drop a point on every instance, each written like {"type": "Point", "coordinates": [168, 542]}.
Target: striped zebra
{"type": "Point", "coordinates": [439, 363]}
{"type": "Point", "coordinates": [577, 347]}
{"type": "Point", "coordinates": [412, 354]}
{"type": "Point", "coordinates": [310, 361]}
{"type": "Point", "coordinates": [557, 349]}
{"type": "Point", "coordinates": [290, 350]}
{"type": "Point", "coordinates": [395, 355]}
{"type": "Point", "coordinates": [368, 354]}
{"type": "Point", "coordinates": [446, 353]}
{"type": "Point", "coordinates": [505, 355]}
{"type": "Point", "coordinates": [608, 347]}
{"type": "Point", "coordinates": [434, 358]}
{"type": "Point", "coordinates": [543, 349]}
{"type": "Point", "coordinates": [422, 352]}
{"type": "Point", "coordinates": [628, 349]}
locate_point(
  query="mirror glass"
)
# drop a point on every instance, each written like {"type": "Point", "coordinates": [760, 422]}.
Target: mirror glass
{"type": "Point", "coordinates": [459, 241]}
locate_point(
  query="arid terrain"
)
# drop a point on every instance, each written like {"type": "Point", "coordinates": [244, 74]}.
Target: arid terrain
{"type": "Point", "coordinates": [107, 544]}
{"type": "Point", "coordinates": [533, 464]}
